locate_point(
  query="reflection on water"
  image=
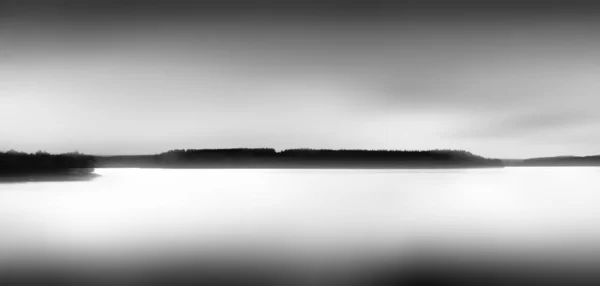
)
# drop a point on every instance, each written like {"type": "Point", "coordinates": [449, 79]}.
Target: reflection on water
{"type": "Point", "coordinates": [57, 177]}
{"type": "Point", "coordinates": [304, 216]}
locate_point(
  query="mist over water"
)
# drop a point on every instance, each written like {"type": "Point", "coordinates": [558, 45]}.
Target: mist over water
{"type": "Point", "coordinates": [303, 218]}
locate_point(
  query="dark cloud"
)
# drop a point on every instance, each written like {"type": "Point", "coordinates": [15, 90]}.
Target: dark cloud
{"type": "Point", "coordinates": [272, 8]}
{"type": "Point", "coordinates": [360, 5]}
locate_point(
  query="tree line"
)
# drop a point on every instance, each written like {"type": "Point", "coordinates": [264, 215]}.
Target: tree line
{"type": "Point", "coordinates": [13, 162]}
{"type": "Point", "coordinates": [301, 158]}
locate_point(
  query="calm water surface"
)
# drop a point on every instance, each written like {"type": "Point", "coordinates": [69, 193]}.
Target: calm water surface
{"type": "Point", "coordinates": [303, 212]}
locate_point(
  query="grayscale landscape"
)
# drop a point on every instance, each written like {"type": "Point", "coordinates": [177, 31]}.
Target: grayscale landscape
{"type": "Point", "coordinates": [299, 142]}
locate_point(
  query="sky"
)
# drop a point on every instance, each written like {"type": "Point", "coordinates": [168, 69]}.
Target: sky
{"type": "Point", "coordinates": [508, 79]}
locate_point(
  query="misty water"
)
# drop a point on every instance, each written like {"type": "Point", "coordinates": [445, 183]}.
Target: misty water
{"type": "Point", "coordinates": [324, 214]}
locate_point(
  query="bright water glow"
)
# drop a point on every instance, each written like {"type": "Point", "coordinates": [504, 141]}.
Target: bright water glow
{"type": "Point", "coordinates": [302, 212]}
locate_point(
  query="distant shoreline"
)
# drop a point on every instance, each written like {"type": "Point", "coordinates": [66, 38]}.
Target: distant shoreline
{"type": "Point", "coordinates": [304, 168]}
{"type": "Point", "coordinates": [42, 166]}
{"type": "Point", "coordinates": [558, 161]}
{"type": "Point", "coordinates": [300, 159]}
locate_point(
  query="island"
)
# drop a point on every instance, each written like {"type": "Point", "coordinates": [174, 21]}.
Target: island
{"type": "Point", "coordinates": [300, 159]}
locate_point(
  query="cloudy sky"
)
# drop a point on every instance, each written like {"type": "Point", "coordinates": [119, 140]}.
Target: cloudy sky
{"type": "Point", "coordinates": [501, 79]}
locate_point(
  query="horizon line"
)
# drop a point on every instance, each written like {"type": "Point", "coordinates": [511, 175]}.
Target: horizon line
{"type": "Point", "coordinates": [279, 150]}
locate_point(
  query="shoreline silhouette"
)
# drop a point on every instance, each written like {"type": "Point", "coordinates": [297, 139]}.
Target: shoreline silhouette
{"type": "Point", "coordinates": [43, 166]}
{"type": "Point", "coordinates": [300, 159]}
{"type": "Point", "coordinates": [563, 161]}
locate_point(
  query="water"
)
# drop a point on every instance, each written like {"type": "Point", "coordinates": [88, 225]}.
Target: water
{"type": "Point", "coordinates": [299, 214]}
